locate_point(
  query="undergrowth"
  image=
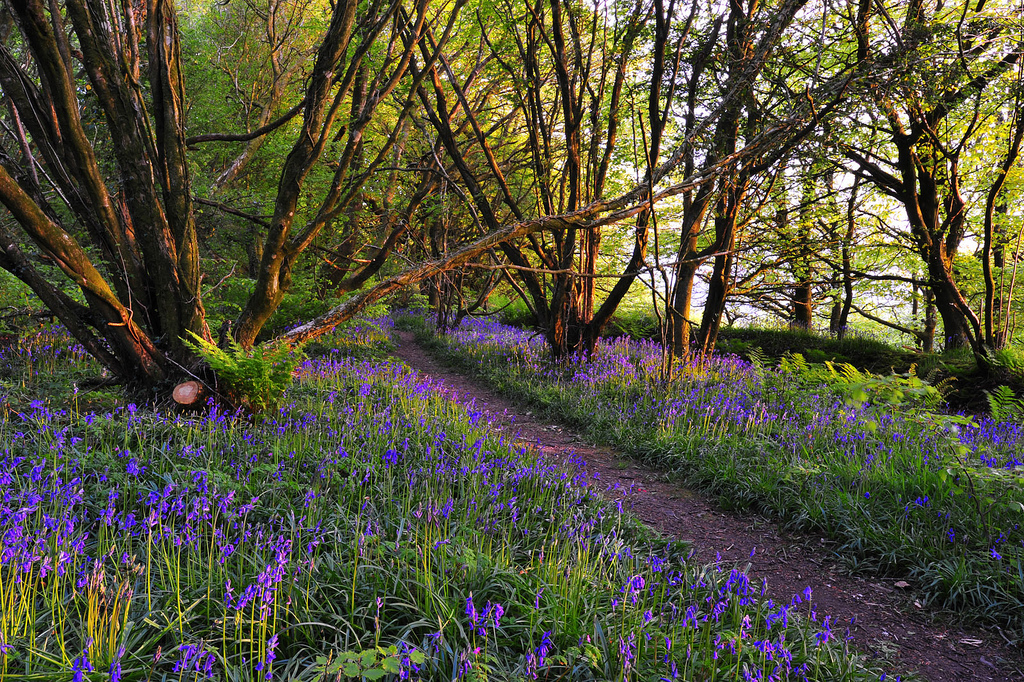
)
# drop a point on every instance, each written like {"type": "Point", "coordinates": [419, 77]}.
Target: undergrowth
{"type": "Point", "coordinates": [905, 489]}
{"type": "Point", "coordinates": [254, 378]}
{"type": "Point", "coordinates": [369, 528]}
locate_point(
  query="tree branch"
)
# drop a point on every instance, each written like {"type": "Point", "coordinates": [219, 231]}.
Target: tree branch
{"type": "Point", "coordinates": [245, 137]}
{"type": "Point", "coordinates": [233, 211]}
{"type": "Point", "coordinates": [891, 325]}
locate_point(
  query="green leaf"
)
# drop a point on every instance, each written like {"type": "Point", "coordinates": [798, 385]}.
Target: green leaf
{"type": "Point", "coordinates": [391, 665]}
{"type": "Point", "coordinates": [367, 658]}
{"type": "Point", "coordinates": [374, 674]}
{"type": "Point", "coordinates": [351, 669]}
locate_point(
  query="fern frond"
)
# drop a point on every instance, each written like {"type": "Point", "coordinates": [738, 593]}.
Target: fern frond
{"type": "Point", "coordinates": [254, 378]}
{"type": "Point", "coordinates": [1003, 404]}
{"type": "Point", "coordinates": [850, 373]}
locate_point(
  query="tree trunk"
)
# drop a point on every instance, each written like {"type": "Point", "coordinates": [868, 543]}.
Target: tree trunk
{"type": "Point", "coordinates": [924, 175]}
{"type": "Point", "coordinates": [803, 307]}
{"type": "Point", "coordinates": [714, 308]}
{"type": "Point", "coordinates": [657, 116]}
{"type": "Point", "coordinates": [834, 315]}
{"type": "Point", "coordinates": [687, 261]}
{"type": "Point", "coordinates": [323, 101]}
{"type": "Point", "coordinates": [928, 336]}
{"type": "Point", "coordinates": [993, 237]}
{"type": "Point", "coordinates": [803, 270]}
{"type": "Point", "coordinates": [718, 284]}
{"type": "Point", "coordinates": [956, 330]}
{"type": "Point", "coordinates": [843, 323]}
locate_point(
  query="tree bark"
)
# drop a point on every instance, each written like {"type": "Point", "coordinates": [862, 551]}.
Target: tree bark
{"type": "Point", "coordinates": [718, 284]}
{"type": "Point", "coordinates": [117, 323]}
{"type": "Point", "coordinates": [843, 323]}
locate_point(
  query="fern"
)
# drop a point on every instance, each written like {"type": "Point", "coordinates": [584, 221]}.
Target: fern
{"type": "Point", "coordinates": [943, 386]}
{"type": "Point", "coordinates": [254, 379]}
{"type": "Point", "coordinates": [794, 363]}
{"type": "Point", "coordinates": [1004, 405]}
{"type": "Point", "coordinates": [758, 361]}
{"type": "Point", "coordinates": [845, 372]}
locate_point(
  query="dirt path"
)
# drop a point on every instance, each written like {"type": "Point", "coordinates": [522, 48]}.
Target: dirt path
{"type": "Point", "coordinates": [883, 620]}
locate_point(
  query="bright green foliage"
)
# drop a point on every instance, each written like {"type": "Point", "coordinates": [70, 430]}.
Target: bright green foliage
{"type": "Point", "coordinates": [370, 664]}
{"type": "Point", "coordinates": [1004, 405]}
{"type": "Point", "coordinates": [254, 379]}
{"type": "Point", "coordinates": [1011, 360]}
{"type": "Point", "coordinates": [858, 388]}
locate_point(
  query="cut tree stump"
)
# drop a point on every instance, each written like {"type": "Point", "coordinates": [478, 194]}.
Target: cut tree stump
{"type": "Point", "coordinates": [188, 394]}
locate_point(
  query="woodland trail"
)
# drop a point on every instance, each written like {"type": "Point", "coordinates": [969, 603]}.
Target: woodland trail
{"type": "Point", "coordinates": [883, 620]}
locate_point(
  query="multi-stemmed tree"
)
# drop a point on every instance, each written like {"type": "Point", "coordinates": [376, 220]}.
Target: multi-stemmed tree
{"type": "Point", "coordinates": [101, 184]}
{"type": "Point", "coordinates": [926, 102]}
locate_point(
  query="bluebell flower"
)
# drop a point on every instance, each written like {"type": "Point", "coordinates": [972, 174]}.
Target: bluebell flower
{"type": "Point", "coordinates": [80, 666]}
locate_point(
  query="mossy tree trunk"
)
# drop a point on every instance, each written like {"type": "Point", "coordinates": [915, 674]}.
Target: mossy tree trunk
{"type": "Point", "coordinates": [124, 233]}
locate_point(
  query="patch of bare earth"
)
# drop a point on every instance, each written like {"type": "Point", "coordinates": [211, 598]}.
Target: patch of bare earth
{"type": "Point", "coordinates": [884, 620]}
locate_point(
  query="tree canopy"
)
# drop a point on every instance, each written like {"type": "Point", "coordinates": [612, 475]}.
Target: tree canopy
{"type": "Point", "coordinates": [268, 169]}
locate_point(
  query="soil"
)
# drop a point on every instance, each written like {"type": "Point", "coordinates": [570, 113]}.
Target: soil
{"type": "Point", "coordinates": [885, 620]}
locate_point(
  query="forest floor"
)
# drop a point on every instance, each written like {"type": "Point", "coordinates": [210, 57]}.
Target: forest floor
{"type": "Point", "coordinates": [883, 618]}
